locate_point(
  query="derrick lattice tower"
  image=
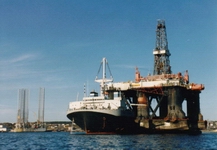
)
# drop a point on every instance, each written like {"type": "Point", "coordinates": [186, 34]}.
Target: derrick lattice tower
{"type": "Point", "coordinates": [41, 105]}
{"type": "Point", "coordinates": [23, 108]}
{"type": "Point", "coordinates": [161, 51]}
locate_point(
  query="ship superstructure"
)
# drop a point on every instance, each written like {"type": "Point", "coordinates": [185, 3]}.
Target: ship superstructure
{"type": "Point", "coordinates": [108, 112]}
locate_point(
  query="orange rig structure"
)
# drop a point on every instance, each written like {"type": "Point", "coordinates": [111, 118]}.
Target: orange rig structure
{"type": "Point", "coordinates": [157, 99]}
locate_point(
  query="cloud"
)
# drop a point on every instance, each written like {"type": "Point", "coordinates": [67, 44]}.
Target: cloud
{"type": "Point", "coordinates": [22, 58]}
{"type": "Point", "coordinates": [25, 57]}
{"type": "Point", "coordinates": [14, 67]}
{"type": "Point", "coordinates": [29, 70]}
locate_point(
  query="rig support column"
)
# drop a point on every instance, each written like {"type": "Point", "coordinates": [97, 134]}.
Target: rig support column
{"type": "Point", "coordinates": [163, 107]}
{"type": "Point", "coordinates": [142, 108]}
{"type": "Point", "coordinates": [175, 99]}
{"type": "Point", "coordinates": [193, 109]}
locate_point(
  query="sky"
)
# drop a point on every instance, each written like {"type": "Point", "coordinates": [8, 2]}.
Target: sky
{"type": "Point", "coordinates": [59, 45]}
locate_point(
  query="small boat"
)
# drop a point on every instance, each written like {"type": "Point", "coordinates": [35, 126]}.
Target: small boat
{"type": "Point", "coordinates": [2, 129]}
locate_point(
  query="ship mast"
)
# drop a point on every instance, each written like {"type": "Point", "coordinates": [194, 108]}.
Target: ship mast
{"type": "Point", "coordinates": [104, 79]}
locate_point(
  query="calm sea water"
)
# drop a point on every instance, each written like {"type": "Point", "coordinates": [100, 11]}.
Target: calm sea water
{"type": "Point", "coordinates": [65, 141]}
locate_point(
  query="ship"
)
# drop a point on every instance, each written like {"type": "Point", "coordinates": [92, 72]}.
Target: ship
{"type": "Point", "coordinates": [108, 112]}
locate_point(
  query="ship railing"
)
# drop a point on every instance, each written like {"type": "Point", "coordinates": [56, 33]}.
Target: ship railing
{"type": "Point", "coordinates": [98, 106]}
{"type": "Point", "coordinates": [93, 98]}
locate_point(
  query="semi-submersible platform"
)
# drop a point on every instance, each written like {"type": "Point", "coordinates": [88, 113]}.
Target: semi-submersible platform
{"type": "Point", "coordinates": [151, 104]}
{"type": "Point", "coordinates": [167, 90]}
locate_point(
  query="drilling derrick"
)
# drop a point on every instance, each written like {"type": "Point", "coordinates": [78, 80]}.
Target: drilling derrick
{"type": "Point", "coordinates": [161, 52]}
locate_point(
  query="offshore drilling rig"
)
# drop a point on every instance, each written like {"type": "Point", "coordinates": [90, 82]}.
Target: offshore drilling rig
{"type": "Point", "coordinates": [23, 125]}
{"type": "Point", "coordinates": [168, 91]}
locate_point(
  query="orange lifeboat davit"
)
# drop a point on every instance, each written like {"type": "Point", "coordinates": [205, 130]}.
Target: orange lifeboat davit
{"type": "Point", "coordinates": [197, 87]}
